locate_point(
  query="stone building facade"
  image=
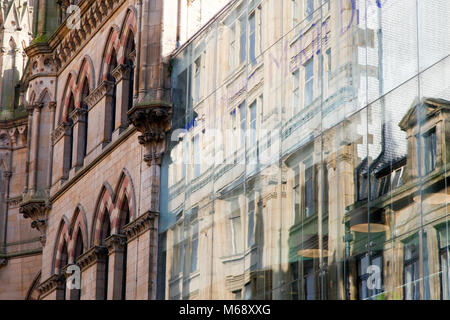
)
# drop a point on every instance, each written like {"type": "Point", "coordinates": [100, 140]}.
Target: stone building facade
{"type": "Point", "coordinates": [244, 149]}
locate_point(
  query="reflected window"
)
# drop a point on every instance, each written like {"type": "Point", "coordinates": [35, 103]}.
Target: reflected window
{"type": "Point", "coordinates": [309, 9]}
{"type": "Point", "coordinates": [309, 81]}
{"type": "Point", "coordinates": [243, 40]}
{"type": "Point", "coordinates": [429, 140]}
{"type": "Point", "coordinates": [194, 244]}
{"type": "Point", "coordinates": [444, 256]}
{"type": "Point", "coordinates": [251, 21]}
{"type": "Point", "coordinates": [309, 188]}
{"type": "Point", "coordinates": [411, 271]}
{"type": "Point", "coordinates": [251, 221]}
{"type": "Point", "coordinates": [296, 197]}
{"type": "Point", "coordinates": [232, 47]}
{"type": "Point", "coordinates": [197, 79]}
{"type": "Point", "coordinates": [236, 227]}
{"type": "Point", "coordinates": [296, 92]}
{"type": "Point", "coordinates": [243, 123]}
{"type": "Point", "coordinates": [309, 282]}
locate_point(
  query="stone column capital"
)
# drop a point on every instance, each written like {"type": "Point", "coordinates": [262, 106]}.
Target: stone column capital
{"type": "Point", "coordinates": [106, 88]}
{"type": "Point", "coordinates": [121, 72]}
{"type": "Point", "coordinates": [115, 243]}
{"type": "Point", "coordinates": [96, 254]}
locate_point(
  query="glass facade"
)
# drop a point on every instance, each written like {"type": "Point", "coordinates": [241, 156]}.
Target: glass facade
{"type": "Point", "coordinates": [308, 154]}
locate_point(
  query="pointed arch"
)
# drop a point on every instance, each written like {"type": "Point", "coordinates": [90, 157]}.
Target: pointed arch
{"type": "Point", "coordinates": [61, 245]}
{"type": "Point", "coordinates": [112, 45]}
{"type": "Point", "coordinates": [103, 209]}
{"type": "Point", "coordinates": [87, 71]}
{"type": "Point", "coordinates": [32, 97]}
{"type": "Point", "coordinates": [69, 88]}
{"type": "Point", "coordinates": [78, 227]}
{"type": "Point", "coordinates": [44, 97]}
{"type": "Point", "coordinates": [124, 197]}
{"type": "Point", "coordinates": [129, 27]}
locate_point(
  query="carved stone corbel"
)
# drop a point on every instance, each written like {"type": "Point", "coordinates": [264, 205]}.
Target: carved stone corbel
{"type": "Point", "coordinates": [36, 210]}
{"type": "Point", "coordinates": [153, 121]}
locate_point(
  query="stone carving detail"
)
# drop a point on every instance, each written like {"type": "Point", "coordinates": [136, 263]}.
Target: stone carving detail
{"type": "Point", "coordinates": [36, 210]}
{"type": "Point", "coordinates": [104, 89]}
{"type": "Point", "coordinates": [148, 220]}
{"type": "Point", "coordinates": [94, 255]}
{"type": "Point", "coordinates": [78, 115]}
{"type": "Point", "coordinates": [153, 121]}
{"type": "Point", "coordinates": [62, 130]}
{"type": "Point", "coordinates": [116, 242]}
{"type": "Point", "coordinates": [54, 282]}
{"type": "Point", "coordinates": [121, 72]}
{"type": "Point", "coordinates": [93, 15]}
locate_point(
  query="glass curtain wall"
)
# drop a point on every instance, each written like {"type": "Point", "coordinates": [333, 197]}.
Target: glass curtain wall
{"type": "Point", "coordinates": [309, 153]}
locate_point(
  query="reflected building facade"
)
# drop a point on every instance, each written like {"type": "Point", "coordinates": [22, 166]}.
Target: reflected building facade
{"type": "Point", "coordinates": [308, 154]}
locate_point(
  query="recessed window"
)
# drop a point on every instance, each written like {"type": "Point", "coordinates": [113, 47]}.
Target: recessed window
{"type": "Point", "coordinates": [309, 81]}
{"type": "Point", "coordinates": [429, 140]}
{"type": "Point", "coordinates": [309, 9]}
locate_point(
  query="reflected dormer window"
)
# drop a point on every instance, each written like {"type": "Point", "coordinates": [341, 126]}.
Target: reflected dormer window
{"type": "Point", "coordinates": [429, 140]}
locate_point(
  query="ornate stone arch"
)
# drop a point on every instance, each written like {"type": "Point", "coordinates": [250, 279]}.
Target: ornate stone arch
{"type": "Point", "coordinates": [45, 96]}
{"type": "Point", "coordinates": [112, 43]}
{"type": "Point", "coordinates": [124, 192]}
{"type": "Point", "coordinates": [78, 224]}
{"type": "Point", "coordinates": [62, 238]}
{"type": "Point", "coordinates": [70, 88]}
{"type": "Point", "coordinates": [129, 26]}
{"type": "Point", "coordinates": [87, 70]}
{"type": "Point", "coordinates": [104, 206]}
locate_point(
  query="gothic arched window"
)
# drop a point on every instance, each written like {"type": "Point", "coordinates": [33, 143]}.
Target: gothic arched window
{"type": "Point", "coordinates": [113, 65]}
{"type": "Point", "coordinates": [70, 109]}
{"type": "Point", "coordinates": [106, 233]}
{"type": "Point", "coordinates": [84, 94]}
{"type": "Point", "coordinates": [129, 52]}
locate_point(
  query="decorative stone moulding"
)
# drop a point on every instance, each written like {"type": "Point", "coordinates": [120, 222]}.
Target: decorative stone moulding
{"type": "Point", "coordinates": [153, 121]}
{"type": "Point", "coordinates": [147, 221]}
{"type": "Point", "coordinates": [94, 255]}
{"type": "Point", "coordinates": [54, 282]}
{"type": "Point", "coordinates": [35, 207]}
{"type": "Point", "coordinates": [116, 242]}
{"type": "Point", "coordinates": [122, 71]}
{"type": "Point", "coordinates": [78, 115]}
{"type": "Point", "coordinates": [62, 130]}
{"type": "Point", "coordinates": [106, 88]}
{"type": "Point", "coordinates": [93, 16]}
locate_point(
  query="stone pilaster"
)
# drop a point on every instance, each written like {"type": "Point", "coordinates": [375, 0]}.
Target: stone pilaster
{"type": "Point", "coordinates": [116, 247]}
{"type": "Point", "coordinates": [78, 117]}
{"type": "Point", "coordinates": [93, 265]}
{"type": "Point", "coordinates": [142, 235]}
{"type": "Point", "coordinates": [122, 75]}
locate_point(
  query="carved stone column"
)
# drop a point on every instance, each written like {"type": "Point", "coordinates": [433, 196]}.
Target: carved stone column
{"type": "Point", "coordinates": [142, 237]}
{"type": "Point", "coordinates": [102, 97]}
{"type": "Point", "coordinates": [93, 269]}
{"type": "Point", "coordinates": [122, 75]}
{"type": "Point", "coordinates": [78, 117]}
{"type": "Point", "coordinates": [116, 247]}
